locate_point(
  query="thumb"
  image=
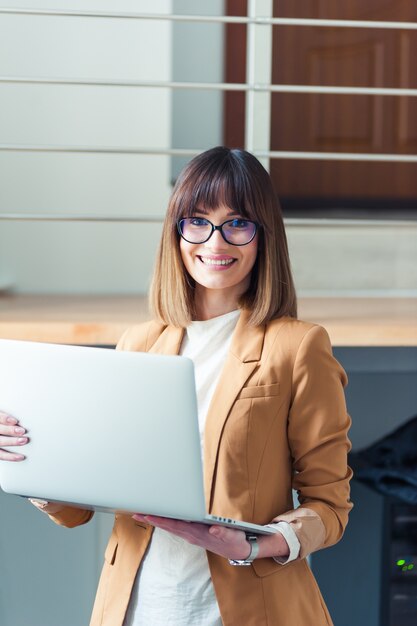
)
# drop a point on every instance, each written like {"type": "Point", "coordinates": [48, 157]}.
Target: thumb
{"type": "Point", "coordinates": [216, 531]}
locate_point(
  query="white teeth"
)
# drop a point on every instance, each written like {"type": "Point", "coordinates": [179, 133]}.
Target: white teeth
{"type": "Point", "coordinates": [208, 261]}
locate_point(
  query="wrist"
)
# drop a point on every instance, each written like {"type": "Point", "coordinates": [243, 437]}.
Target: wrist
{"type": "Point", "coordinates": [273, 546]}
{"type": "Point", "coordinates": [252, 540]}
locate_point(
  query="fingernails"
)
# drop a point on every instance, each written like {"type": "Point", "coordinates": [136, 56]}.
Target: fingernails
{"type": "Point", "coordinates": [22, 440]}
{"type": "Point", "coordinates": [19, 430]}
{"type": "Point", "coordinates": [11, 420]}
{"type": "Point", "coordinates": [215, 531]}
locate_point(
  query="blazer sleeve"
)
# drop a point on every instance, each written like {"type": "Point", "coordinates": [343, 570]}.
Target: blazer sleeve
{"type": "Point", "coordinates": [70, 517]}
{"type": "Point", "coordinates": [317, 430]}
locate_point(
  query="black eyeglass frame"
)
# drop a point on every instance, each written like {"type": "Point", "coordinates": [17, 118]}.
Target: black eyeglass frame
{"type": "Point", "coordinates": [219, 228]}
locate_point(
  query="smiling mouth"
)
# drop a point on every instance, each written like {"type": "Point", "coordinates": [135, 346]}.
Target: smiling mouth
{"type": "Point", "coordinates": [217, 262]}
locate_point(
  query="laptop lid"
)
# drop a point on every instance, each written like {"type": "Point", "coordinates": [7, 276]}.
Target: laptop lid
{"type": "Point", "coordinates": [108, 430]}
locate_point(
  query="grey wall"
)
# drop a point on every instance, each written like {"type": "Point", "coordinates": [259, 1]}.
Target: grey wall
{"type": "Point", "coordinates": [381, 395]}
{"type": "Point", "coordinates": [48, 574]}
{"type": "Point", "coordinates": [382, 390]}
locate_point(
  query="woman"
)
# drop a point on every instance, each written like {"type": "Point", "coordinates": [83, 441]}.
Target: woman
{"type": "Point", "coordinates": [272, 418]}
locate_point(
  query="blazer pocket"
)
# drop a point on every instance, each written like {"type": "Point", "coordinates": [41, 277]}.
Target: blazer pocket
{"type": "Point", "coordinates": [266, 567]}
{"type": "Point", "coordinates": [259, 391]}
{"type": "Point", "coordinates": [111, 550]}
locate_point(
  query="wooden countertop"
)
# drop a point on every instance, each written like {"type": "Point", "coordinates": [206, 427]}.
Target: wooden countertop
{"type": "Point", "coordinates": [100, 320]}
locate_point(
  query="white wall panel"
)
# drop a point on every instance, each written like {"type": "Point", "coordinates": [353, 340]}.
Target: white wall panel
{"type": "Point", "coordinates": [85, 258]}
{"type": "Point", "coordinates": [354, 260]}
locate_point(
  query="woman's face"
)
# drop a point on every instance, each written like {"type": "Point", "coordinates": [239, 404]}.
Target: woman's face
{"type": "Point", "coordinates": [216, 264]}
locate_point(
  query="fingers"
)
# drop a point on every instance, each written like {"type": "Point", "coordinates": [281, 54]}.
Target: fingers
{"type": "Point", "coordinates": [13, 441]}
{"type": "Point", "coordinates": [46, 507]}
{"type": "Point", "coordinates": [11, 456]}
{"type": "Point", "coordinates": [10, 426]}
{"type": "Point", "coordinates": [181, 528]}
{"type": "Point", "coordinates": [5, 418]}
{"type": "Point", "coordinates": [11, 434]}
{"type": "Point", "coordinates": [226, 542]}
{"type": "Point", "coordinates": [226, 534]}
{"type": "Point", "coordinates": [217, 531]}
{"type": "Point", "coordinates": [166, 523]}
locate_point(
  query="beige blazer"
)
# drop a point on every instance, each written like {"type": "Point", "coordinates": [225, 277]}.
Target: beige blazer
{"type": "Point", "coordinates": [277, 421]}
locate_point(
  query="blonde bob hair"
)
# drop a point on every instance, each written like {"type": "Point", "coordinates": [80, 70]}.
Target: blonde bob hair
{"type": "Point", "coordinates": [236, 179]}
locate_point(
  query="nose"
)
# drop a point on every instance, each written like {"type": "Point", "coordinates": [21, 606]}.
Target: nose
{"type": "Point", "coordinates": [216, 241]}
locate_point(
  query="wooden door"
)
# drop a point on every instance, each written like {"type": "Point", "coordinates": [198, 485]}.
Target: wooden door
{"type": "Point", "coordinates": [344, 123]}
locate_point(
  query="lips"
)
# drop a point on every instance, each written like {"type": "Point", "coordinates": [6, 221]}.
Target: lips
{"type": "Point", "coordinates": [217, 261]}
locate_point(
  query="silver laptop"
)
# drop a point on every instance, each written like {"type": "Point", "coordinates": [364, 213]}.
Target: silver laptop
{"type": "Point", "coordinates": [112, 431]}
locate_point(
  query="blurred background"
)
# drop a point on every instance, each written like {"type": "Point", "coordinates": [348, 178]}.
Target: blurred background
{"type": "Point", "coordinates": [101, 104]}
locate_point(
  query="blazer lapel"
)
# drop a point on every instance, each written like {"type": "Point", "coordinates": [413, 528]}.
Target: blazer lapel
{"type": "Point", "coordinates": [169, 341]}
{"type": "Point", "coordinates": [244, 355]}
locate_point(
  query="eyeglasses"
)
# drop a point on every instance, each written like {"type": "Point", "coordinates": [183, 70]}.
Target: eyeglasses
{"type": "Point", "coordinates": [238, 232]}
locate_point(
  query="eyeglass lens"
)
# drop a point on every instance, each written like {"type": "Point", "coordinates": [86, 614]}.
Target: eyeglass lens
{"type": "Point", "coordinates": [198, 230]}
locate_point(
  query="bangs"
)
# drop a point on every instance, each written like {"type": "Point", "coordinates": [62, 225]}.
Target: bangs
{"type": "Point", "coordinates": [222, 183]}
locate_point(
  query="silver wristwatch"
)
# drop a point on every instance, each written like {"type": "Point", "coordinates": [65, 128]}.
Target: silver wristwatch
{"type": "Point", "coordinates": [254, 550]}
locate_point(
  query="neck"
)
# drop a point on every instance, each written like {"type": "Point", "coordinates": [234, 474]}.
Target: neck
{"type": "Point", "coordinates": [210, 303]}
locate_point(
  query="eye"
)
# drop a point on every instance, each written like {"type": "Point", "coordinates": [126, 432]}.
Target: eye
{"type": "Point", "coordinates": [198, 221]}
{"type": "Point", "coordinates": [239, 223]}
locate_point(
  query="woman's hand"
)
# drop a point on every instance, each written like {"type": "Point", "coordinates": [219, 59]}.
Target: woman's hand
{"type": "Point", "coordinates": [227, 542]}
{"type": "Point", "coordinates": [11, 434]}
{"type": "Point", "coordinates": [46, 507]}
